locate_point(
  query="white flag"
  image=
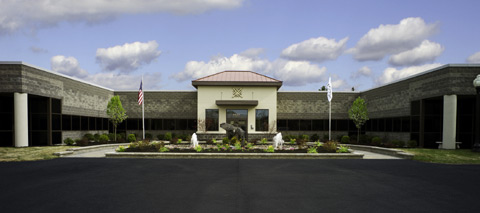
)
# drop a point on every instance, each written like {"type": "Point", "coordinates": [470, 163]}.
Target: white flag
{"type": "Point", "coordinates": [329, 90]}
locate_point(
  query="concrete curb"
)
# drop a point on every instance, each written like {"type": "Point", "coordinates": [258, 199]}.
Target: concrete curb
{"type": "Point", "coordinates": [382, 150]}
{"type": "Point", "coordinates": [167, 155]}
{"type": "Point", "coordinates": [87, 149]}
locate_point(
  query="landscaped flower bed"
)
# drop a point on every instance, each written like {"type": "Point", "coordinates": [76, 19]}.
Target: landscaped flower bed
{"type": "Point", "coordinates": [144, 146]}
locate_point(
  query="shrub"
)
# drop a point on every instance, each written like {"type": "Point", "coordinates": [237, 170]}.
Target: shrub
{"type": "Point", "coordinates": [210, 141]}
{"type": "Point", "coordinates": [120, 136]}
{"type": "Point", "coordinates": [238, 145]}
{"type": "Point", "coordinates": [148, 136]}
{"type": "Point", "coordinates": [120, 149]}
{"type": "Point", "coordinates": [179, 140]}
{"type": "Point", "coordinates": [111, 136]}
{"type": "Point", "coordinates": [301, 143]}
{"type": "Point", "coordinates": [398, 143]}
{"type": "Point", "coordinates": [345, 139]}
{"type": "Point", "coordinates": [270, 149]}
{"type": "Point", "coordinates": [103, 138]}
{"type": "Point", "coordinates": [325, 137]}
{"type": "Point", "coordinates": [131, 138]}
{"type": "Point", "coordinates": [160, 137]}
{"type": "Point", "coordinates": [234, 140]}
{"type": "Point", "coordinates": [330, 146]}
{"type": "Point", "coordinates": [249, 145]}
{"type": "Point", "coordinates": [312, 150]}
{"type": "Point", "coordinates": [412, 143]}
{"type": "Point", "coordinates": [168, 136]}
{"type": "Point", "coordinates": [69, 141]}
{"type": "Point", "coordinates": [82, 142]}
{"type": "Point", "coordinates": [163, 149]}
{"type": "Point", "coordinates": [293, 141]}
{"type": "Point", "coordinates": [365, 139]}
{"type": "Point", "coordinates": [263, 141]}
{"type": "Point", "coordinates": [89, 137]}
{"type": "Point", "coordinates": [314, 137]}
{"type": "Point", "coordinates": [198, 148]}
{"type": "Point", "coordinates": [96, 137]}
{"type": "Point", "coordinates": [225, 140]}
{"type": "Point", "coordinates": [305, 137]}
{"type": "Point", "coordinates": [376, 141]}
{"type": "Point", "coordinates": [342, 149]}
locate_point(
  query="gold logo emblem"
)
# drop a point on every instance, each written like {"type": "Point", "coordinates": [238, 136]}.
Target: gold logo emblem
{"type": "Point", "coordinates": [237, 93]}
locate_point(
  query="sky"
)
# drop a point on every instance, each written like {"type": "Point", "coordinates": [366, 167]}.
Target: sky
{"type": "Point", "coordinates": [359, 44]}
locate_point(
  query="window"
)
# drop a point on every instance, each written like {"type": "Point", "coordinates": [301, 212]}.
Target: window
{"type": "Point", "coordinates": [211, 119]}
{"type": "Point", "coordinates": [305, 125]}
{"type": "Point", "coordinates": [293, 125]}
{"type": "Point", "coordinates": [157, 124]}
{"type": "Point", "coordinates": [66, 122]}
{"type": "Point", "coordinates": [261, 120]}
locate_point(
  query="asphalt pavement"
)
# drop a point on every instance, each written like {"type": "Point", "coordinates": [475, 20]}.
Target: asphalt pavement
{"type": "Point", "coordinates": [216, 185]}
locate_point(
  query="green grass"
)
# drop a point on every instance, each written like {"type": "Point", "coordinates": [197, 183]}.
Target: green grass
{"type": "Point", "coordinates": [30, 153]}
{"type": "Point", "coordinates": [458, 156]}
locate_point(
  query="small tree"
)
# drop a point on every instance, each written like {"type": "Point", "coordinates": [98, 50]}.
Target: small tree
{"type": "Point", "coordinates": [323, 89]}
{"type": "Point", "coordinates": [359, 114]}
{"type": "Point", "coordinates": [116, 113]}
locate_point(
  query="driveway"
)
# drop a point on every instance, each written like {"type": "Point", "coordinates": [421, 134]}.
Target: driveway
{"type": "Point", "coordinates": [153, 185]}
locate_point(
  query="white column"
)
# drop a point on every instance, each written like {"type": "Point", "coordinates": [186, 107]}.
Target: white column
{"type": "Point", "coordinates": [21, 119]}
{"type": "Point", "coordinates": [449, 121]}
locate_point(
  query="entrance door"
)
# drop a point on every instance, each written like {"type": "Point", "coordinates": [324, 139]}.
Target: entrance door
{"type": "Point", "coordinates": [239, 118]}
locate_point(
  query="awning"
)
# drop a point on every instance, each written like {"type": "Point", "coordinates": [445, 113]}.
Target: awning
{"type": "Point", "coordinates": [236, 102]}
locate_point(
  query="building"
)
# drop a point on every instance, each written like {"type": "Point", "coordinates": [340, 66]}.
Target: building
{"type": "Point", "coordinates": [40, 107]}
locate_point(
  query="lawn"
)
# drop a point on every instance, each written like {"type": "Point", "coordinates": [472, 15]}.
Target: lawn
{"type": "Point", "coordinates": [458, 156]}
{"type": "Point", "coordinates": [30, 153]}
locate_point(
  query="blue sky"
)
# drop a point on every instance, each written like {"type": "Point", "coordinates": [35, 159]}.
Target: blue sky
{"type": "Point", "coordinates": [359, 44]}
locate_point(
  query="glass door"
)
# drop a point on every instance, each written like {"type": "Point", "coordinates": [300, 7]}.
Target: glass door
{"type": "Point", "coordinates": [238, 117]}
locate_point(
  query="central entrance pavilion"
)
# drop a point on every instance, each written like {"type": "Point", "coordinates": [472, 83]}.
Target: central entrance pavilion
{"type": "Point", "coordinates": [242, 98]}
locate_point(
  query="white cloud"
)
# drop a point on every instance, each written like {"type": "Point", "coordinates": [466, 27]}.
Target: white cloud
{"type": "Point", "coordinates": [252, 52]}
{"type": "Point", "coordinates": [475, 58]}
{"type": "Point", "coordinates": [392, 74]}
{"type": "Point", "coordinates": [126, 82]}
{"type": "Point", "coordinates": [315, 49]}
{"type": "Point", "coordinates": [297, 73]}
{"type": "Point", "coordinates": [292, 73]}
{"type": "Point", "coordinates": [197, 69]}
{"type": "Point", "coordinates": [364, 71]}
{"type": "Point", "coordinates": [128, 57]}
{"type": "Point", "coordinates": [392, 39]}
{"type": "Point", "coordinates": [34, 14]}
{"type": "Point", "coordinates": [426, 52]}
{"type": "Point", "coordinates": [68, 66]}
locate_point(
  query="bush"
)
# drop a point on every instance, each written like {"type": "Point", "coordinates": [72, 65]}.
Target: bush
{"type": "Point", "coordinates": [312, 150]}
{"type": "Point", "coordinates": [263, 141]}
{"type": "Point", "coordinates": [342, 149]}
{"type": "Point", "coordinates": [412, 143]}
{"type": "Point", "coordinates": [111, 136]}
{"type": "Point", "coordinates": [376, 141]}
{"type": "Point", "coordinates": [365, 139]}
{"type": "Point", "coordinates": [168, 136]}
{"type": "Point", "coordinates": [103, 138]}
{"type": "Point", "coordinates": [148, 136]}
{"type": "Point", "coordinates": [225, 140]}
{"type": "Point", "coordinates": [120, 136]}
{"type": "Point", "coordinates": [305, 137]}
{"type": "Point", "coordinates": [270, 149]}
{"type": "Point", "coordinates": [161, 137]}
{"type": "Point", "coordinates": [89, 137]}
{"type": "Point", "coordinates": [120, 149]}
{"type": "Point", "coordinates": [325, 137]}
{"type": "Point", "coordinates": [131, 138]}
{"type": "Point", "coordinates": [69, 141]}
{"type": "Point", "coordinates": [345, 139]}
{"type": "Point", "coordinates": [96, 137]}
{"type": "Point", "coordinates": [398, 143]}
{"type": "Point", "coordinates": [330, 146]}
{"type": "Point", "coordinates": [82, 142]}
{"type": "Point", "coordinates": [314, 137]}
{"type": "Point", "coordinates": [234, 140]}
{"type": "Point", "coordinates": [301, 143]}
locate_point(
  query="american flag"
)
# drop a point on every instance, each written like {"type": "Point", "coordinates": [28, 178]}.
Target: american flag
{"type": "Point", "coordinates": [140, 94]}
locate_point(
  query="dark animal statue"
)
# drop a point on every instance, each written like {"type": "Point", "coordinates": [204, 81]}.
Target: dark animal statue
{"type": "Point", "coordinates": [234, 131]}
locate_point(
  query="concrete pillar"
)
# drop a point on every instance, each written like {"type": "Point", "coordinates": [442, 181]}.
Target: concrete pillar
{"type": "Point", "coordinates": [449, 121]}
{"type": "Point", "coordinates": [21, 119]}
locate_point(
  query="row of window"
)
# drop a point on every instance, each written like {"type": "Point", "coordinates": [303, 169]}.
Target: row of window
{"type": "Point", "coordinates": [399, 124]}
{"type": "Point", "coordinates": [158, 124]}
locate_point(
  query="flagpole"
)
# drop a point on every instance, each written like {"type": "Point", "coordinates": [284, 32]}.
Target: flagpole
{"type": "Point", "coordinates": [329, 97]}
{"type": "Point", "coordinates": [143, 111]}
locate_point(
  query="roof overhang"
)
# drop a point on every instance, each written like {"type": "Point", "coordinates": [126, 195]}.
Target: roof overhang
{"type": "Point", "coordinates": [236, 102]}
{"type": "Point", "coordinates": [236, 83]}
